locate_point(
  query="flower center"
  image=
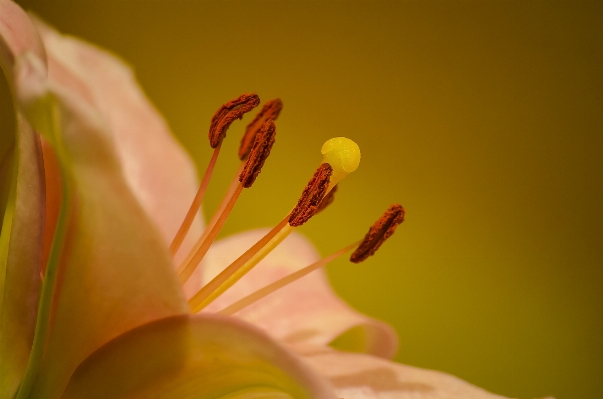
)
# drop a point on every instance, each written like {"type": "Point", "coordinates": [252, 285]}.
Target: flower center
{"type": "Point", "coordinates": [341, 156]}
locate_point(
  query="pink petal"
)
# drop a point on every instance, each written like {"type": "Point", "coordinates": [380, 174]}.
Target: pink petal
{"type": "Point", "coordinates": [114, 272]}
{"type": "Point", "coordinates": [358, 376]}
{"type": "Point", "coordinates": [22, 173]}
{"type": "Point", "coordinates": [17, 35]}
{"type": "Point", "coordinates": [195, 357]}
{"type": "Point", "coordinates": [306, 311]}
{"type": "Point", "coordinates": [159, 172]}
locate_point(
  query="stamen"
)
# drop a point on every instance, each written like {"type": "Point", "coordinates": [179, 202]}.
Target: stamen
{"type": "Point", "coordinates": [327, 200]}
{"type": "Point", "coordinates": [234, 109]}
{"type": "Point", "coordinates": [196, 205]}
{"type": "Point", "coordinates": [275, 286]}
{"type": "Point", "coordinates": [312, 196]}
{"type": "Point", "coordinates": [220, 122]}
{"type": "Point", "coordinates": [271, 110]}
{"type": "Point", "coordinates": [215, 287]}
{"type": "Point", "coordinates": [188, 268]}
{"type": "Point", "coordinates": [380, 231]}
{"type": "Point", "coordinates": [232, 189]}
{"type": "Point", "coordinates": [306, 207]}
{"type": "Point", "coordinates": [260, 151]}
{"type": "Point", "coordinates": [259, 154]}
{"type": "Point", "coordinates": [229, 193]}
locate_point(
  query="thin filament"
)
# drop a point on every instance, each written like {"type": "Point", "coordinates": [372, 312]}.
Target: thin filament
{"type": "Point", "coordinates": [242, 268]}
{"type": "Point", "coordinates": [275, 286]}
{"type": "Point", "coordinates": [222, 281]}
{"type": "Point", "coordinates": [223, 204]}
{"type": "Point", "coordinates": [231, 190]}
{"type": "Point", "coordinates": [196, 204]}
{"type": "Point", "coordinates": [189, 268]}
{"type": "Point", "coordinates": [235, 271]}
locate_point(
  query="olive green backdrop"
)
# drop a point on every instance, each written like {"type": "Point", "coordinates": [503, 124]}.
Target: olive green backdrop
{"type": "Point", "coordinates": [484, 119]}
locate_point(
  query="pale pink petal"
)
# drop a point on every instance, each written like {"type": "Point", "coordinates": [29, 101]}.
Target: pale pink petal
{"type": "Point", "coordinates": [21, 213]}
{"type": "Point", "coordinates": [358, 376]}
{"type": "Point", "coordinates": [113, 270]}
{"type": "Point", "coordinates": [17, 35]}
{"type": "Point", "coordinates": [156, 167]}
{"type": "Point", "coordinates": [195, 357]}
{"type": "Point", "coordinates": [306, 311]}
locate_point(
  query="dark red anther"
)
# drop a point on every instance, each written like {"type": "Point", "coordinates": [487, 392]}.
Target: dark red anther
{"type": "Point", "coordinates": [270, 110]}
{"type": "Point", "coordinates": [234, 109]}
{"type": "Point", "coordinates": [327, 200]}
{"type": "Point", "coordinates": [259, 152]}
{"type": "Point", "coordinates": [312, 196]}
{"type": "Point", "coordinates": [380, 231]}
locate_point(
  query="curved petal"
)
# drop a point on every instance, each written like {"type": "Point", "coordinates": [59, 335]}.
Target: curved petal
{"type": "Point", "coordinates": [22, 213]}
{"type": "Point", "coordinates": [194, 357]}
{"type": "Point", "coordinates": [17, 35]}
{"type": "Point", "coordinates": [357, 376]}
{"type": "Point", "coordinates": [159, 172]}
{"type": "Point", "coordinates": [112, 269]}
{"type": "Point", "coordinates": [306, 311]}
{"type": "Point", "coordinates": [20, 257]}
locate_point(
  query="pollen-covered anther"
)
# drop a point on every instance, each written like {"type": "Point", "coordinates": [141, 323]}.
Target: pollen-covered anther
{"type": "Point", "coordinates": [327, 200]}
{"type": "Point", "coordinates": [227, 113]}
{"type": "Point", "coordinates": [380, 231]}
{"type": "Point", "coordinates": [260, 151]}
{"type": "Point", "coordinates": [270, 110]}
{"type": "Point", "coordinates": [313, 194]}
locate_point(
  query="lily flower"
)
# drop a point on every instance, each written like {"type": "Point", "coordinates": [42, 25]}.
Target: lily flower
{"type": "Point", "coordinates": [93, 304]}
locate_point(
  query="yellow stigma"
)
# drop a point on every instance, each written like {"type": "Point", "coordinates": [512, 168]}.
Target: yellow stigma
{"type": "Point", "coordinates": [343, 155]}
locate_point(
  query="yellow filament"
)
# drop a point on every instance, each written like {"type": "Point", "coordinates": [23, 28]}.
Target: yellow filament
{"type": "Point", "coordinates": [275, 286]}
{"type": "Point", "coordinates": [233, 273]}
{"type": "Point", "coordinates": [187, 270]}
{"type": "Point", "coordinates": [257, 258]}
{"type": "Point", "coordinates": [234, 187]}
{"type": "Point", "coordinates": [344, 157]}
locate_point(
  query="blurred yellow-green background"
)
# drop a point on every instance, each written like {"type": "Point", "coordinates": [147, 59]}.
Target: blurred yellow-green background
{"type": "Point", "coordinates": [484, 119]}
